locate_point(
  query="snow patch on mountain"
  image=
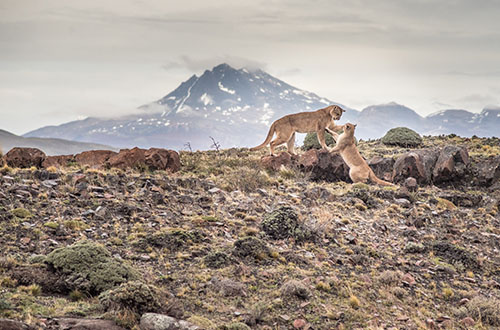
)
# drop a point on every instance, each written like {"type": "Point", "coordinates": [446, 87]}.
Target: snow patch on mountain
{"type": "Point", "coordinates": [224, 89]}
{"type": "Point", "coordinates": [206, 99]}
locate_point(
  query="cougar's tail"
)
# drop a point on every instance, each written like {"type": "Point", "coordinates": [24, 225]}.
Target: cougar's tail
{"type": "Point", "coordinates": [374, 178]}
{"type": "Point", "coordinates": [268, 138]}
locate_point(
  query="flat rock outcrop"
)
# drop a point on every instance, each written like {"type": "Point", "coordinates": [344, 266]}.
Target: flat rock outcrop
{"type": "Point", "coordinates": [136, 158]}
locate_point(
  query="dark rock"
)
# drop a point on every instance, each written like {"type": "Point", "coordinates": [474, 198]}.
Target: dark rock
{"type": "Point", "coordinates": [382, 167]}
{"type": "Point", "coordinates": [86, 324]}
{"type": "Point", "coordinates": [228, 287]}
{"type": "Point", "coordinates": [25, 157]}
{"type": "Point", "coordinates": [45, 175]}
{"type": "Point", "coordinates": [323, 165]}
{"type": "Point", "coordinates": [162, 159]}
{"type": "Point", "coordinates": [94, 158]}
{"type": "Point", "coordinates": [410, 184]}
{"type": "Point", "coordinates": [451, 165]}
{"type": "Point", "coordinates": [152, 321]}
{"type": "Point", "coordinates": [417, 164]}
{"type": "Point", "coordinates": [153, 159]}
{"type": "Point", "coordinates": [6, 324]}
{"type": "Point", "coordinates": [38, 274]}
{"type": "Point", "coordinates": [294, 288]}
{"type": "Point", "coordinates": [363, 194]}
{"type": "Point", "coordinates": [463, 199]}
{"type": "Point", "coordinates": [487, 172]}
{"type": "Point", "coordinates": [128, 158]}
{"type": "Point", "coordinates": [274, 163]}
{"type": "Point", "coordinates": [57, 161]}
{"type": "Point", "coordinates": [403, 202]}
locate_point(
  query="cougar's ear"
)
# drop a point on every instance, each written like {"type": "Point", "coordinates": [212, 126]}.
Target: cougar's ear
{"type": "Point", "coordinates": [355, 125]}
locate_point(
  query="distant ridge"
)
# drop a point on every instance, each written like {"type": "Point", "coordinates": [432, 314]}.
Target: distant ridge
{"type": "Point", "coordinates": [49, 146]}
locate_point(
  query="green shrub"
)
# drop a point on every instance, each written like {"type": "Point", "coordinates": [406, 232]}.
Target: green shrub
{"type": "Point", "coordinates": [311, 141]}
{"type": "Point", "coordinates": [284, 223]}
{"type": "Point", "coordinates": [251, 247]}
{"type": "Point", "coordinates": [403, 137]}
{"type": "Point", "coordinates": [135, 296]}
{"type": "Point", "coordinates": [21, 213]}
{"type": "Point", "coordinates": [173, 238]}
{"type": "Point", "coordinates": [89, 267]}
{"type": "Point", "coordinates": [217, 259]}
{"type": "Point", "coordinates": [484, 309]}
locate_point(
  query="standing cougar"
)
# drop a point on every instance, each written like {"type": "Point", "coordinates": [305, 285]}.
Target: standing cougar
{"type": "Point", "coordinates": [302, 122]}
{"type": "Point", "coordinates": [359, 171]}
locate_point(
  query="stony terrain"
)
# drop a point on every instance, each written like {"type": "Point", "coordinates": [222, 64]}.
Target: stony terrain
{"type": "Point", "coordinates": [235, 240]}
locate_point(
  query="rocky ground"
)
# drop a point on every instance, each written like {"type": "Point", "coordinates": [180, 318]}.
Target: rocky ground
{"type": "Point", "coordinates": [235, 240]}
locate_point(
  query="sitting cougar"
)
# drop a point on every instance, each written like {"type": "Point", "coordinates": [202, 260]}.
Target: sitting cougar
{"type": "Point", "coordinates": [359, 171]}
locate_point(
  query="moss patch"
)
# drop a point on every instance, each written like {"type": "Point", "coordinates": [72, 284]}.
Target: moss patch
{"type": "Point", "coordinates": [89, 267]}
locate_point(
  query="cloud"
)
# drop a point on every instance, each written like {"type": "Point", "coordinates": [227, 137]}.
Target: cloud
{"type": "Point", "coordinates": [289, 72]}
{"type": "Point", "coordinates": [492, 73]}
{"type": "Point", "coordinates": [200, 64]}
{"type": "Point", "coordinates": [478, 101]}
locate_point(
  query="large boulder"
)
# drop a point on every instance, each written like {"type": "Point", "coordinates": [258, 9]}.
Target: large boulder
{"type": "Point", "coordinates": [323, 165]}
{"type": "Point", "coordinates": [153, 159]}
{"type": "Point", "coordinates": [162, 159]}
{"type": "Point", "coordinates": [274, 163]}
{"type": "Point", "coordinates": [487, 172]}
{"type": "Point", "coordinates": [153, 321]}
{"type": "Point", "coordinates": [451, 165]}
{"type": "Point", "coordinates": [25, 157]}
{"type": "Point", "coordinates": [94, 158]}
{"type": "Point", "coordinates": [417, 164]}
{"type": "Point", "coordinates": [57, 161]}
{"type": "Point", "coordinates": [382, 167]}
{"type": "Point", "coordinates": [128, 158]}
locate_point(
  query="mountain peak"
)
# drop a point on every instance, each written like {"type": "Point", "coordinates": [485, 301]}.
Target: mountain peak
{"type": "Point", "coordinates": [222, 67]}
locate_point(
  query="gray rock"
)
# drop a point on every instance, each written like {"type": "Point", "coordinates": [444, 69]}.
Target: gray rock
{"type": "Point", "coordinates": [153, 321]}
{"type": "Point", "coordinates": [86, 324]}
{"type": "Point", "coordinates": [403, 202]}
{"type": "Point", "coordinates": [6, 324]}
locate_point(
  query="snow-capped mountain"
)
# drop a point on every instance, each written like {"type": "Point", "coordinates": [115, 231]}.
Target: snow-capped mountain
{"type": "Point", "coordinates": [234, 106]}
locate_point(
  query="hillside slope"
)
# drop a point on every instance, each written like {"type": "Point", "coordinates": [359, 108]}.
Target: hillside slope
{"type": "Point", "coordinates": [225, 244]}
{"type": "Point", "coordinates": [51, 146]}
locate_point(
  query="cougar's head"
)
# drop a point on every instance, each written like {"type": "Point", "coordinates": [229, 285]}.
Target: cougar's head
{"type": "Point", "coordinates": [349, 128]}
{"type": "Point", "coordinates": [336, 112]}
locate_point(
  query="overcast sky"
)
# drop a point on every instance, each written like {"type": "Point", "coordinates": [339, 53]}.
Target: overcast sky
{"type": "Point", "coordinates": [61, 60]}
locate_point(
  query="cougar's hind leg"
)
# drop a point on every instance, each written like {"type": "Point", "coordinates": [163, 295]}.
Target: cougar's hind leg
{"type": "Point", "coordinates": [358, 176]}
{"type": "Point", "coordinates": [291, 143]}
{"type": "Point", "coordinates": [280, 139]}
